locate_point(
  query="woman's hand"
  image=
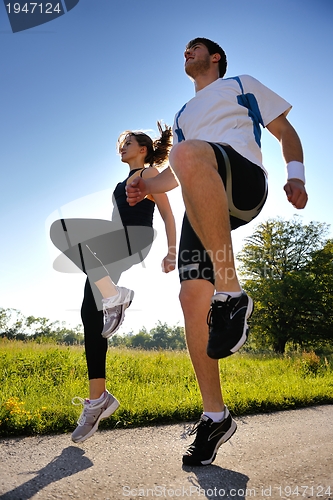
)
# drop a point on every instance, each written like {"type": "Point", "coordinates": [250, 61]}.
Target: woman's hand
{"type": "Point", "coordinates": [169, 262]}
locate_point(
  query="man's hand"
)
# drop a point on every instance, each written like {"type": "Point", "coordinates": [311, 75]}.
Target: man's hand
{"type": "Point", "coordinates": [136, 191]}
{"type": "Point", "coordinates": [296, 193]}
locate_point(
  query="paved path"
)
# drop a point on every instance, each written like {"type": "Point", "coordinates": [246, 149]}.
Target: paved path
{"type": "Point", "coordinates": [283, 455]}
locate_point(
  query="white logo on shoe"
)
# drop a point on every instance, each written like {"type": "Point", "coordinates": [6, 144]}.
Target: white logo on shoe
{"type": "Point", "coordinates": [216, 433]}
{"type": "Point", "coordinates": [238, 310]}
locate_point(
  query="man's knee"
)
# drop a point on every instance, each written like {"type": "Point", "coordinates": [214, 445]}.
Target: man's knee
{"type": "Point", "coordinates": [186, 299]}
{"type": "Point", "coordinates": [195, 297]}
{"type": "Point", "coordinates": [181, 155]}
{"type": "Point", "coordinates": [185, 155]}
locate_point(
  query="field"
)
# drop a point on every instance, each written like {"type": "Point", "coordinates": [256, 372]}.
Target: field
{"type": "Point", "coordinates": [39, 381]}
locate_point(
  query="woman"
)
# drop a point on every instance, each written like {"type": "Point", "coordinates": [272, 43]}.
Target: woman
{"type": "Point", "coordinates": [103, 250]}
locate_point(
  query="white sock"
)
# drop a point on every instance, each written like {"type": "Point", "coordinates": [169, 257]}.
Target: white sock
{"type": "Point", "coordinates": [216, 416]}
{"type": "Point", "coordinates": [99, 400]}
{"type": "Point", "coordinates": [223, 296]}
{"type": "Point", "coordinates": [111, 299]}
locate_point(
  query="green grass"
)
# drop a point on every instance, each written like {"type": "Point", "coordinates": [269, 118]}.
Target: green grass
{"type": "Point", "coordinates": [38, 383]}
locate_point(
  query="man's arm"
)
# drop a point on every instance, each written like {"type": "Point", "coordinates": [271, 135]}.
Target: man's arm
{"type": "Point", "coordinates": [292, 151]}
{"type": "Point", "coordinates": [139, 188]}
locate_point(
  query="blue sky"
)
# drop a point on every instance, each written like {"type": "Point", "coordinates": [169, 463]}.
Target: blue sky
{"type": "Point", "coordinates": [69, 87]}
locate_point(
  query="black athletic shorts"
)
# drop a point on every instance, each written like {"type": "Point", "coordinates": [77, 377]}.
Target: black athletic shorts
{"type": "Point", "coordinates": [246, 188]}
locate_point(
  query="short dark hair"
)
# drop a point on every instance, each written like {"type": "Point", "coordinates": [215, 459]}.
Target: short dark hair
{"type": "Point", "coordinates": [213, 48]}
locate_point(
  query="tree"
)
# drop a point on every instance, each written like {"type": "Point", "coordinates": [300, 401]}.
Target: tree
{"type": "Point", "coordinates": [12, 324]}
{"type": "Point", "coordinates": [321, 271]}
{"type": "Point", "coordinates": [41, 328]}
{"type": "Point", "coordinates": [287, 269]}
{"type": "Point", "coordinates": [161, 336]}
{"type": "Point", "coordinates": [141, 340]}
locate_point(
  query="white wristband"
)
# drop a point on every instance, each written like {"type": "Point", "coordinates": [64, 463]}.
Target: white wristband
{"type": "Point", "coordinates": [295, 170]}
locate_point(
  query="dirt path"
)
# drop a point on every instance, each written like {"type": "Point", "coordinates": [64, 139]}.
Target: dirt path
{"type": "Point", "coordinates": [283, 455]}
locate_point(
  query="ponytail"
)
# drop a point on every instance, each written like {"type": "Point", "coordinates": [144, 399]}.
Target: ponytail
{"type": "Point", "coordinates": [157, 149]}
{"type": "Point", "coordinates": [162, 146]}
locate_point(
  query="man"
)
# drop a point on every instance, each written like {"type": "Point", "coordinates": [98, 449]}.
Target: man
{"type": "Point", "coordinates": [216, 158]}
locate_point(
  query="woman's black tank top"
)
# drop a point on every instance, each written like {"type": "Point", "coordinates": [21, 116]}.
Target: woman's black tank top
{"type": "Point", "coordinates": [140, 214]}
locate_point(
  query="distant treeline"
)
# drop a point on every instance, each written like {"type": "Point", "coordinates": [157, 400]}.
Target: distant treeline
{"type": "Point", "coordinates": [285, 266]}
{"type": "Point", "coordinates": [14, 325]}
{"type": "Point", "coordinates": [161, 336]}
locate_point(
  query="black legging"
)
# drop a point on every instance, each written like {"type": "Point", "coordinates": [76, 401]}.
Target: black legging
{"type": "Point", "coordinates": [96, 346]}
{"type": "Point", "coordinates": [99, 248]}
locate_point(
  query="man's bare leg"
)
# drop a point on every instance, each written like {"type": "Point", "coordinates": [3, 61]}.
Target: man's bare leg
{"type": "Point", "coordinates": [205, 199]}
{"type": "Point", "coordinates": [195, 296]}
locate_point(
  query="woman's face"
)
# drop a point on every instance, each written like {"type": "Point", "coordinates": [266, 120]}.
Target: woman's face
{"type": "Point", "coordinates": [130, 149]}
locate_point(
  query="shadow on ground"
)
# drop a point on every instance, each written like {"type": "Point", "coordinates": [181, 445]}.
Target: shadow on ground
{"type": "Point", "coordinates": [71, 461]}
{"type": "Point", "coordinates": [215, 482]}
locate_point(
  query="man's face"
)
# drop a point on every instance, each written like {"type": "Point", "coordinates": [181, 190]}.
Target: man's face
{"type": "Point", "coordinates": [197, 60]}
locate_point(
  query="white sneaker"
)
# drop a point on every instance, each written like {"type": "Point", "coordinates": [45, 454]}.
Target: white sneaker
{"type": "Point", "coordinates": [91, 416]}
{"type": "Point", "coordinates": [114, 310]}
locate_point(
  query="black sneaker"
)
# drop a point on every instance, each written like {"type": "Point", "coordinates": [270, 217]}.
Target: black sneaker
{"type": "Point", "coordinates": [210, 436]}
{"type": "Point", "coordinates": [228, 329]}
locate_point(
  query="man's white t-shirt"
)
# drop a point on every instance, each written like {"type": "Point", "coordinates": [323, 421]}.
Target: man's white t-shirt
{"type": "Point", "coordinates": [230, 111]}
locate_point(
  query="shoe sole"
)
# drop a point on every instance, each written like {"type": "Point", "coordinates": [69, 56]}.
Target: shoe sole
{"type": "Point", "coordinates": [249, 311]}
{"type": "Point", "coordinates": [224, 439]}
{"type": "Point", "coordinates": [245, 335]}
{"type": "Point", "coordinates": [107, 413]}
{"type": "Point", "coordinates": [108, 333]}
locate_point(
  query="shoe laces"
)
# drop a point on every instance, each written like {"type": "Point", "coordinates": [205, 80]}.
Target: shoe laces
{"type": "Point", "coordinates": [199, 428]}
{"type": "Point", "coordinates": [85, 403]}
{"type": "Point", "coordinates": [111, 313]}
{"type": "Point", "coordinates": [219, 313]}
